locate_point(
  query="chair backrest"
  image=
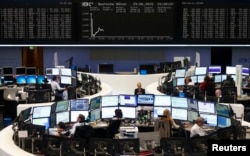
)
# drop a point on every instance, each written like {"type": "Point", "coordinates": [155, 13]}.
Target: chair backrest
{"type": "Point", "coordinates": [164, 128]}
{"type": "Point", "coordinates": [174, 145]}
{"type": "Point", "coordinates": [198, 145]}
{"type": "Point", "coordinates": [10, 94]}
{"type": "Point", "coordinates": [84, 131]}
{"type": "Point", "coordinates": [99, 146]}
{"type": "Point", "coordinates": [114, 127]}
{"type": "Point", "coordinates": [130, 146]}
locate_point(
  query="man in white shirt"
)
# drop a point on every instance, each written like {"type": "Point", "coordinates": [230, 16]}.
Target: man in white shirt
{"type": "Point", "coordinates": [56, 89]}
{"type": "Point", "coordinates": [80, 122]}
{"type": "Point", "coordinates": [196, 129]}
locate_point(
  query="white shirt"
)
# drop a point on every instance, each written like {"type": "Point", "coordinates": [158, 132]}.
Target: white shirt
{"type": "Point", "coordinates": [55, 86]}
{"type": "Point", "coordinates": [197, 130]}
{"type": "Point", "coordinates": [72, 132]}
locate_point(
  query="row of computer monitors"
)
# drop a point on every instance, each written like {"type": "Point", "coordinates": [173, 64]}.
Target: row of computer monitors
{"type": "Point", "coordinates": [212, 70]}
{"type": "Point", "coordinates": [215, 114]}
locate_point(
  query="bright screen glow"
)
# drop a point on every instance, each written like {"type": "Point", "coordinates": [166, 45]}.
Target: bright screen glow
{"type": "Point", "coordinates": [127, 100]}
{"type": "Point", "coordinates": [192, 104]}
{"type": "Point", "coordinates": [110, 100]}
{"type": "Point", "coordinates": [217, 78]}
{"type": "Point", "coordinates": [200, 78]}
{"type": "Point", "coordinates": [214, 69]}
{"type": "Point", "coordinates": [180, 73]}
{"type": "Point", "coordinates": [200, 71]}
{"type": "Point", "coordinates": [159, 111]}
{"type": "Point", "coordinates": [128, 112]}
{"type": "Point", "coordinates": [31, 79]}
{"type": "Point", "coordinates": [40, 79]}
{"type": "Point", "coordinates": [108, 112]}
{"type": "Point", "coordinates": [66, 71]}
{"type": "Point", "coordinates": [180, 81]}
{"type": "Point", "coordinates": [210, 119]}
{"type": "Point", "coordinates": [62, 105]}
{"type": "Point", "coordinates": [192, 115]}
{"type": "Point", "coordinates": [65, 80]}
{"type": "Point", "coordinates": [41, 111]}
{"type": "Point", "coordinates": [21, 79]}
{"type": "Point", "coordinates": [179, 114]}
{"type": "Point", "coordinates": [162, 100]}
{"type": "Point", "coordinates": [223, 121]}
{"type": "Point", "coordinates": [74, 115]}
{"type": "Point", "coordinates": [79, 104]}
{"type": "Point", "coordinates": [230, 70]}
{"type": "Point", "coordinates": [222, 109]}
{"type": "Point", "coordinates": [95, 114]}
{"type": "Point", "coordinates": [42, 121]}
{"type": "Point", "coordinates": [245, 71]}
{"type": "Point", "coordinates": [194, 79]}
{"type": "Point", "coordinates": [206, 107]}
{"type": "Point", "coordinates": [62, 117]}
{"type": "Point", "coordinates": [52, 71]}
{"type": "Point", "coordinates": [180, 102]}
{"type": "Point", "coordinates": [145, 99]}
{"type": "Point", "coordinates": [95, 103]}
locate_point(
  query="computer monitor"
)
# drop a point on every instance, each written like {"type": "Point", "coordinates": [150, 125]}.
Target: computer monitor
{"type": "Point", "coordinates": [110, 100]}
{"type": "Point", "coordinates": [180, 102]}
{"type": "Point", "coordinates": [245, 71]}
{"type": "Point", "coordinates": [66, 72]}
{"type": "Point", "coordinates": [210, 119]}
{"type": "Point", "coordinates": [180, 73]}
{"type": "Point", "coordinates": [21, 79]}
{"type": "Point", "coordinates": [194, 79]}
{"type": "Point", "coordinates": [79, 104]}
{"type": "Point", "coordinates": [62, 105]}
{"type": "Point", "coordinates": [62, 117]}
{"type": "Point", "coordinates": [95, 102]}
{"type": "Point", "coordinates": [217, 78]}
{"type": "Point", "coordinates": [128, 112]}
{"type": "Point", "coordinates": [20, 71]}
{"type": "Point", "coordinates": [200, 71]}
{"type": "Point", "coordinates": [214, 69]}
{"type": "Point", "coordinates": [224, 77]}
{"type": "Point", "coordinates": [127, 100]}
{"type": "Point", "coordinates": [95, 114]}
{"type": "Point", "coordinates": [108, 112]}
{"type": "Point", "coordinates": [192, 115]}
{"type": "Point", "coordinates": [105, 68]}
{"type": "Point", "coordinates": [7, 71]}
{"type": "Point", "coordinates": [42, 121]}
{"type": "Point", "coordinates": [31, 79]}
{"type": "Point", "coordinates": [230, 70]}
{"type": "Point", "coordinates": [180, 81]}
{"type": "Point", "coordinates": [222, 109]}
{"type": "Point", "coordinates": [206, 107]}
{"type": "Point", "coordinates": [41, 111]}
{"type": "Point", "coordinates": [223, 121]}
{"type": "Point", "coordinates": [30, 70]}
{"type": "Point", "coordinates": [179, 114]}
{"type": "Point", "coordinates": [74, 114]}
{"type": "Point", "coordinates": [162, 100]}
{"type": "Point", "coordinates": [192, 104]}
{"type": "Point", "coordinates": [149, 68]}
{"type": "Point", "coordinates": [200, 78]}
{"type": "Point", "coordinates": [66, 80]}
{"type": "Point", "coordinates": [52, 71]}
{"type": "Point", "coordinates": [25, 114]}
{"type": "Point", "coordinates": [40, 79]}
{"type": "Point", "coordinates": [8, 79]}
{"type": "Point", "coordinates": [145, 99]}
{"type": "Point", "coordinates": [159, 111]}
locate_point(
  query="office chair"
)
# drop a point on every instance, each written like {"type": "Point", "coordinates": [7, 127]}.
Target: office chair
{"type": "Point", "coordinates": [173, 146]}
{"type": "Point", "coordinates": [102, 147]}
{"type": "Point", "coordinates": [163, 127]}
{"type": "Point", "coordinates": [113, 128]}
{"type": "Point", "coordinates": [129, 146]}
{"type": "Point", "coordinates": [52, 145]}
{"type": "Point", "coordinates": [74, 147]}
{"type": "Point", "coordinates": [197, 146]}
{"type": "Point", "coordinates": [229, 94]}
{"type": "Point", "coordinates": [84, 132]}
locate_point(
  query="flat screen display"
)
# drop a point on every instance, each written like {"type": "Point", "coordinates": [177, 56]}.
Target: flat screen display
{"type": "Point", "coordinates": [40, 79]}
{"type": "Point", "coordinates": [52, 71]}
{"type": "Point", "coordinates": [127, 100]}
{"type": "Point", "coordinates": [245, 71]}
{"type": "Point", "coordinates": [194, 79]}
{"type": "Point", "coordinates": [66, 72]}
{"type": "Point", "coordinates": [180, 81]}
{"type": "Point", "coordinates": [210, 119]}
{"type": "Point", "coordinates": [41, 111]}
{"type": "Point", "coordinates": [8, 79]}
{"type": "Point", "coordinates": [206, 107]}
{"type": "Point", "coordinates": [21, 79]}
{"type": "Point", "coordinates": [30, 71]}
{"type": "Point", "coordinates": [223, 121]}
{"type": "Point", "coordinates": [66, 80]}
{"type": "Point", "coordinates": [159, 111]}
{"type": "Point", "coordinates": [25, 114]}
{"type": "Point", "coordinates": [192, 115]}
{"type": "Point", "coordinates": [192, 104]}
{"type": "Point", "coordinates": [162, 100]}
{"type": "Point", "coordinates": [95, 114]}
{"type": "Point", "coordinates": [214, 69]}
{"type": "Point", "coordinates": [217, 78]}
{"type": "Point", "coordinates": [62, 117]}
{"type": "Point", "coordinates": [222, 110]}
{"type": "Point", "coordinates": [62, 105]}
{"type": "Point", "coordinates": [74, 115]}
{"type": "Point", "coordinates": [42, 121]}
{"type": "Point", "coordinates": [179, 114]}
{"type": "Point", "coordinates": [110, 100]}
{"type": "Point", "coordinates": [31, 79]}
{"type": "Point", "coordinates": [180, 102]}
{"type": "Point", "coordinates": [180, 73]}
{"type": "Point", "coordinates": [128, 112]}
{"type": "Point", "coordinates": [20, 71]}
{"type": "Point", "coordinates": [95, 102]}
{"type": "Point", "coordinates": [108, 112]}
{"type": "Point", "coordinates": [200, 71]}
{"type": "Point", "coordinates": [79, 104]}
{"type": "Point", "coordinates": [230, 70]}
{"type": "Point", "coordinates": [145, 99]}
{"type": "Point", "coordinates": [7, 70]}
{"type": "Point", "coordinates": [200, 78]}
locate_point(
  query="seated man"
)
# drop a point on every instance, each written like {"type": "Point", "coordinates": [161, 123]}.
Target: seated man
{"type": "Point", "coordinates": [196, 129]}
